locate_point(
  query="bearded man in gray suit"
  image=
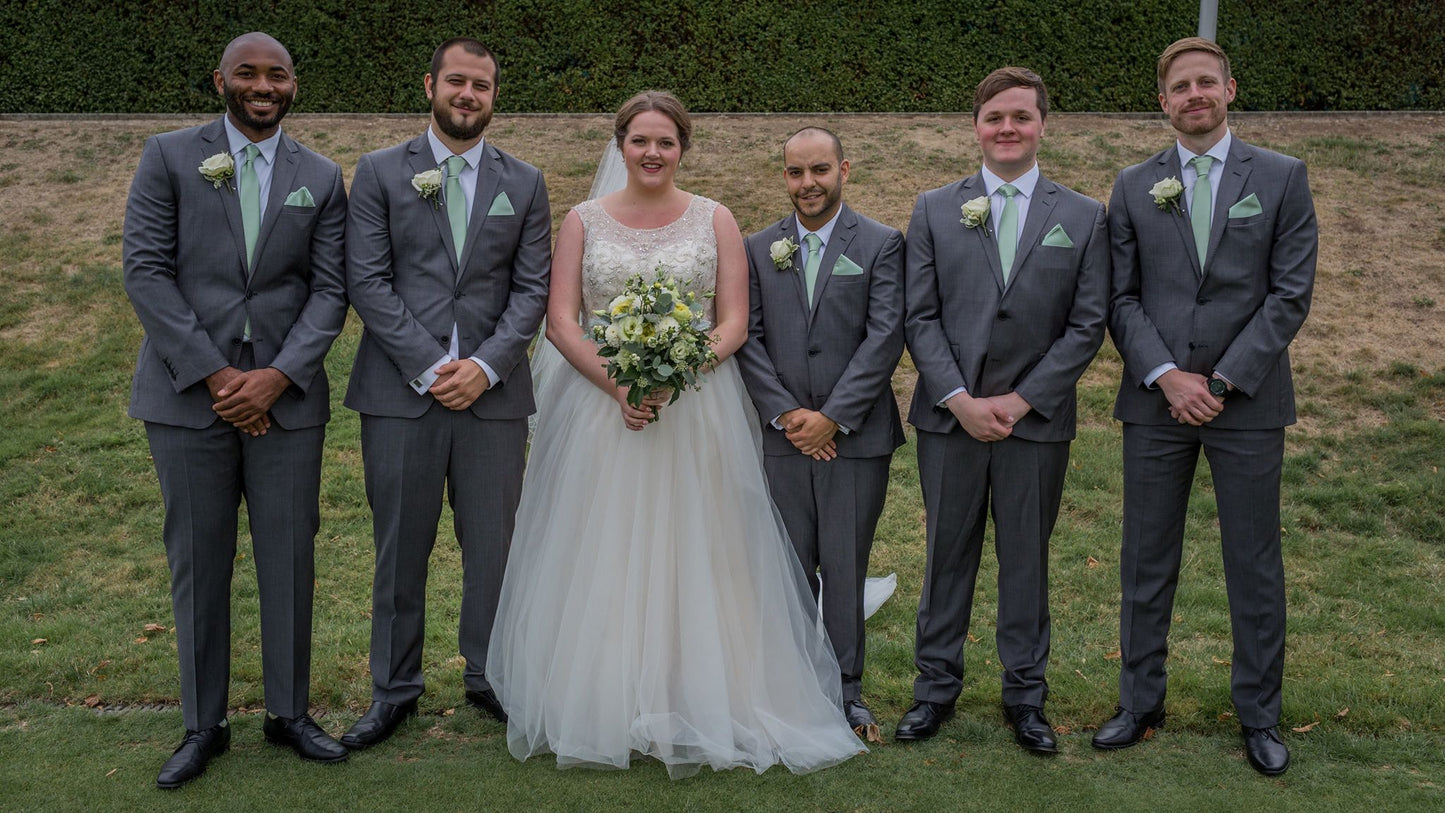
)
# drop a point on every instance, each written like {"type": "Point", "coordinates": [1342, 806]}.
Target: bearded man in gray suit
{"type": "Point", "coordinates": [233, 242]}
{"type": "Point", "coordinates": [447, 260]}
{"type": "Point", "coordinates": [1008, 276]}
{"type": "Point", "coordinates": [1214, 245]}
{"type": "Point", "coordinates": [825, 334]}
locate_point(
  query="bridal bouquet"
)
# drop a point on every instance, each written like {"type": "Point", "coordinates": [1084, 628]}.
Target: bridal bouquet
{"type": "Point", "coordinates": [653, 336]}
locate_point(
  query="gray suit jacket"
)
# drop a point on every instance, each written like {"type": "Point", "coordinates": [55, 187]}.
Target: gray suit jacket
{"type": "Point", "coordinates": [186, 276]}
{"type": "Point", "coordinates": [1035, 336]}
{"type": "Point", "coordinates": [838, 357]}
{"type": "Point", "coordinates": [1239, 313]}
{"type": "Point", "coordinates": [406, 284]}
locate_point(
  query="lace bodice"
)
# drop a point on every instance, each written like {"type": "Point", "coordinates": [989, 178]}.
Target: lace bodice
{"type": "Point", "coordinates": [686, 249]}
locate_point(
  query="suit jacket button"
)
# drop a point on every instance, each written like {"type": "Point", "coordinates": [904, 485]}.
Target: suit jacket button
{"type": "Point", "coordinates": [458, 295]}
{"type": "Point", "coordinates": [1003, 316]}
{"type": "Point", "coordinates": [235, 341]}
{"type": "Point", "coordinates": [1191, 345]}
{"type": "Point", "coordinates": [1201, 301]}
{"type": "Point", "coordinates": [813, 351]}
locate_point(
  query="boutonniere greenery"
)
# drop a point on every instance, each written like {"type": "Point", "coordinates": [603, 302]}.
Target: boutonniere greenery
{"type": "Point", "coordinates": [782, 253]}
{"type": "Point", "coordinates": [219, 169]}
{"type": "Point", "coordinates": [975, 214]}
{"type": "Point", "coordinates": [428, 184]}
{"type": "Point", "coordinates": [1167, 193]}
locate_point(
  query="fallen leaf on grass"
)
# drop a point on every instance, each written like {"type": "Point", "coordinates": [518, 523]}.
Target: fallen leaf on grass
{"type": "Point", "coordinates": [100, 666]}
{"type": "Point", "coordinates": [91, 702]}
{"type": "Point", "coordinates": [1389, 674]}
{"type": "Point", "coordinates": [38, 641]}
{"type": "Point", "coordinates": [1063, 730]}
{"type": "Point", "coordinates": [36, 616]}
{"type": "Point", "coordinates": [1340, 715]}
{"type": "Point", "coordinates": [1224, 716]}
{"type": "Point", "coordinates": [155, 628]}
{"type": "Point", "coordinates": [1220, 661]}
{"type": "Point", "coordinates": [1305, 729]}
{"type": "Point", "coordinates": [111, 772]}
{"type": "Point", "coordinates": [972, 639]}
{"type": "Point", "coordinates": [1112, 656]}
{"type": "Point", "coordinates": [142, 639]}
{"type": "Point", "coordinates": [1091, 562]}
{"type": "Point", "coordinates": [448, 712]}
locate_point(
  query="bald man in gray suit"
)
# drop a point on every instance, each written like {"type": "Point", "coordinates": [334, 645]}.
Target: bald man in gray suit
{"type": "Point", "coordinates": [1008, 276]}
{"type": "Point", "coordinates": [818, 363]}
{"type": "Point", "coordinates": [1214, 245]}
{"type": "Point", "coordinates": [447, 259]}
{"type": "Point", "coordinates": [233, 242]}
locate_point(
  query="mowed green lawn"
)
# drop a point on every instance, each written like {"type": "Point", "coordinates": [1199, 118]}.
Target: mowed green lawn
{"type": "Point", "coordinates": [88, 686]}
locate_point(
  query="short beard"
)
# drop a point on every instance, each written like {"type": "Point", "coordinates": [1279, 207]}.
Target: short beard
{"type": "Point", "coordinates": [237, 109]}
{"type": "Point", "coordinates": [441, 114]}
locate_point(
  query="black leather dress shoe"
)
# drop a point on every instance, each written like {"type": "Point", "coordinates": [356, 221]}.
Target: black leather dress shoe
{"type": "Point", "coordinates": [487, 701]}
{"type": "Point", "coordinates": [379, 722]}
{"type": "Point", "coordinates": [1126, 728]}
{"type": "Point", "coordinates": [190, 758]}
{"type": "Point", "coordinates": [304, 736]}
{"type": "Point", "coordinates": [1031, 729]}
{"type": "Point", "coordinates": [1266, 751]}
{"type": "Point", "coordinates": [922, 720]}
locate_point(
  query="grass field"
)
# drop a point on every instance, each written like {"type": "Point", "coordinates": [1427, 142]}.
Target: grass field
{"type": "Point", "coordinates": [88, 687]}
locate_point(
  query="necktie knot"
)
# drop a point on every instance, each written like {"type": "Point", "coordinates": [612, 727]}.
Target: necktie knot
{"type": "Point", "coordinates": [252, 151]}
{"type": "Point", "coordinates": [455, 165]}
{"type": "Point", "coordinates": [1008, 190]}
{"type": "Point", "coordinates": [1201, 165]}
{"type": "Point", "coordinates": [813, 242]}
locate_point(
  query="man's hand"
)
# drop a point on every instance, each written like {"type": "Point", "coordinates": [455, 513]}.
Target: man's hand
{"type": "Point", "coordinates": [459, 384]}
{"type": "Point", "coordinates": [1013, 405]}
{"type": "Point", "coordinates": [983, 418]}
{"type": "Point", "coordinates": [810, 432]}
{"type": "Point", "coordinates": [243, 398]}
{"type": "Point", "coordinates": [1189, 398]}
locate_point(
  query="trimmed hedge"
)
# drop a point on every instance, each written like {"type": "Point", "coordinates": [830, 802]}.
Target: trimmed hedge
{"type": "Point", "coordinates": [91, 56]}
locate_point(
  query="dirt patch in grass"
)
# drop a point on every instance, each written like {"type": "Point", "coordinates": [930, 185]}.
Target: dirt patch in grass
{"type": "Point", "coordinates": [1379, 186]}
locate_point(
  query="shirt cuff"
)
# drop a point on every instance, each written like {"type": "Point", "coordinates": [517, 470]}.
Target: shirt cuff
{"type": "Point", "coordinates": [1225, 379]}
{"type": "Point", "coordinates": [1158, 371]}
{"type": "Point", "coordinates": [428, 377]}
{"type": "Point", "coordinates": [943, 402]}
{"type": "Point", "coordinates": [486, 368]}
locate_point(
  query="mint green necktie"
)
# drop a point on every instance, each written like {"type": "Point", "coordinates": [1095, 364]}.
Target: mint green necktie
{"type": "Point", "coordinates": [250, 202]}
{"type": "Point", "coordinates": [810, 268]}
{"type": "Point", "coordinates": [1008, 230]}
{"type": "Point", "coordinates": [456, 202]}
{"type": "Point", "coordinates": [1201, 205]}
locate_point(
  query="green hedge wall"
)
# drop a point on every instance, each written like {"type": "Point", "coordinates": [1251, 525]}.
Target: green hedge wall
{"type": "Point", "coordinates": [88, 56]}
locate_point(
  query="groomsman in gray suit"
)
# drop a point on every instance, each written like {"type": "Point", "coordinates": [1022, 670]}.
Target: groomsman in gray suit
{"type": "Point", "coordinates": [1008, 276]}
{"type": "Point", "coordinates": [447, 258]}
{"type": "Point", "coordinates": [233, 241]}
{"type": "Point", "coordinates": [825, 335]}
{"type": "Point", "coordinates": [1214, 245]}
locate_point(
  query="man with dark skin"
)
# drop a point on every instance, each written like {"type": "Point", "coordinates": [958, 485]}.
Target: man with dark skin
{"type": "Point", "coordinates": [233, 263]}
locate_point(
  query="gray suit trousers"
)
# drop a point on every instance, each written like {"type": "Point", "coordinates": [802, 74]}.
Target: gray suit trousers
{"type": "Point", "coordinates": [1022, 481]}
{"type": "Point", "coordinates": [831, 511]}
{"type": "Point", "coordinates": [1159, 465]}
{"type": "Point", "coordinates": [408, 462]}
{"type": "Point", "coordinates": [204, 473]}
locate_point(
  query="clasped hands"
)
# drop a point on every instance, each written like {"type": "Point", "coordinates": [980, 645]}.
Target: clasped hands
{"type": "Point", "coordinates": [988, 419]}
{"type": "Point", "coordinates": [242, 398]}
{"type": "Point", "coordinates": [811, 432]}
{"type": "Point", "coordinates": [1190, 400]}
{"type": "Point", "coordinates": [459, 384]}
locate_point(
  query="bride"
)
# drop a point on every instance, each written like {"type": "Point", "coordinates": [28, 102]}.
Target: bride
{"type": "Point", "coordinates": [652, 602]}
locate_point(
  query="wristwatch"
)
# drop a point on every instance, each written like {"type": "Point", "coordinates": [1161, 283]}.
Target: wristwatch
{"type": "Point", "coordinates": [1218, 388]}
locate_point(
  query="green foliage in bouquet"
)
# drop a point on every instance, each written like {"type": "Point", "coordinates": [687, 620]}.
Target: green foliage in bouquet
{"type": "Point", "coordinates": [654, 336]}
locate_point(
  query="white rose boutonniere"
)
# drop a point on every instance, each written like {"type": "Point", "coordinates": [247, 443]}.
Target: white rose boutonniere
{"type": "Point", "coordinates": [975, 214]}
{"type": "Point", "coordinates": [428, 184]}
{"type": "Point", "coordinates": [1166, 194]}
{"type": "Point", "coordinates": [782, 253]}
{"type": "Point", "coordinates": [218, 169]}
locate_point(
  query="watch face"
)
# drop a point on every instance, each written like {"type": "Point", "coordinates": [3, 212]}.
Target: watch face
{"type": "Point", "coordinates": [1217, 387]}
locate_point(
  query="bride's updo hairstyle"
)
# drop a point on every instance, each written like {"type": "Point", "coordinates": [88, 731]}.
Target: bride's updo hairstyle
{"type": "Point", "coordinates": [662, 102]}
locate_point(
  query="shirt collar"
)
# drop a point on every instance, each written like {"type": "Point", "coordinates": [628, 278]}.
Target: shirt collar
{"type": "Point", "coordinates": [1024, 183]}
{"type": "Point", "coordinates": [442, 152]}
{"type": "Point", "coordinates": [237, 141]}
{"type": "Point", "coordinates": [1218, 152]}
{"type": "Point", "coordinates": [823, 233]}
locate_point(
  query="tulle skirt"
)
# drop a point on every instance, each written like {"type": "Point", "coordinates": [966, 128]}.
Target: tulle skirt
{"type": "Point", "coordinates": [652, 602]}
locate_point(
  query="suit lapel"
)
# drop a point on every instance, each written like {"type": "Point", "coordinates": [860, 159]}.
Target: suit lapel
{"type": "Point", "coordinates": [837, 244]}
{"type": "Point", "coordinates": [282, 174]}
{"type": "Point", "coordinates": [1231, 186]}
{"type": "Point", "coordinates": [974, 187]}
{"type": "Point", "coordinates": [1167, 165]}
{"type": "Point", "coordinates": [213, 140]}
{"type": "Point", "coordinates": [788, 230]}
{"type": "Point", "coordinates": [422, 160]}
{"type": "Point", "coordinates": [1041, 209]}
{"type": "Point", "coordinates": [489, 177]}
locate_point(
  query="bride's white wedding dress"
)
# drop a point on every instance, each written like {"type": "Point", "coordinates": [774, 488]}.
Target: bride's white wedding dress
{"type": "Point", "coordinates": [652, 601]}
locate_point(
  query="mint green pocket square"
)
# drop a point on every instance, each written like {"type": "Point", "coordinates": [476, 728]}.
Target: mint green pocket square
{"type": "Point", "coordinates": [1249, 207]}
{"type": "Point", "coordinates": [1058, 238]}
{"type": "Point", "coordinates": [846, 268]}
{"type": "Point", "coordinates": [501, 205]}
{"type": "Point", "coordinates": [301, 197]}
